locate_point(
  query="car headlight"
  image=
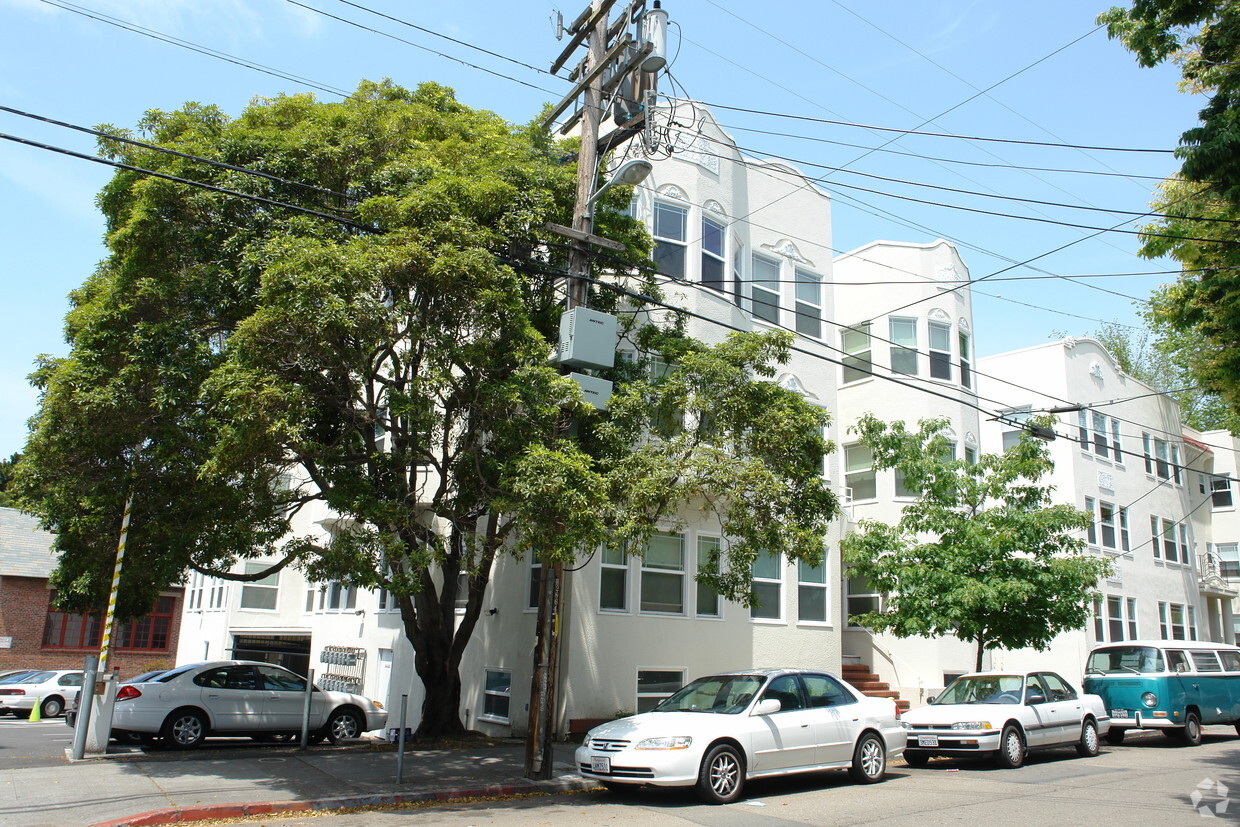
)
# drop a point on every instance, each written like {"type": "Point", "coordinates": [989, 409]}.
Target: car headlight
{"type": "Point", "coordinates": [1149, 699]}
{"type": "Point", "coordinates": [972, 725]}
{"type": "Point", "coordinates": [672, 742]}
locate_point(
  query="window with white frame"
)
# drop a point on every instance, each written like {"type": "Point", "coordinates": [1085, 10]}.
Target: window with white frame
{"type": "Point", "coordinates": [497, 695]}
{"type": "Point", "coordinates": [738, 271]}
{"type": "Point", "coordinates": [1170, 540]}
{"type": "Point", "coordinates": [535, 584]}
{"type": "Point", "coordinates": [1228, 560]}
{"type": "Point", "coordinates": [1177, 621]}
{"type": "Point", "coordinates": [1117, 451]}
{"type": "Point", "coordinates": [708, 559]}
{"type": "Point", "coordinates": [195, 592]}
{"type": "Point", "coordinates": [714, 233]}
{"type": "Point", "coordinates": [1220, 492]}
{"type": "Point", "coordinates": [812, 592]}
{"type": "Point", "coordinates": [858, 360]}
{"type": "Point", "coordinates": [1099, 433]}
{"type": "Point", "coordinates": [1162, 458]}
{"type": "Point", "coordinates": [903, 345]}
{"type": "Point", "coordinates": [260, 594]}
{"type": "Point", "coordinates": [808, 303]}
{"type": "Point", "coordinates": [1176, 468]}
{"type": "Point", "coordinates": [1091, 531]}
{"type": "Point", "coordinates": [966, 361]}
{"type": "Point", "coordinates": [1131, 603]}
{"type": "Point", "coordinates": [862, 598]}
{"type": "Point", "coordinates": [654, 685]}
{"type": "Point", "coordinates": [613, 581]}
{"type": "Point", "coordinates": [663, 574]}
{"type": "Point", "coordinates": [670, 223]}
{"type": "Point", "coordinates": [1115, 618]}
{"type": "Point", "coordinates": [1113, 525]}
{"type": "Point", "coordinates": [1013, 423]}
{"type": "Point", "coordinates": [387, 601]}
{"type": "Point", "coordinates": [331, 597]}
{"type": "Point", "coordinates": [859, 475]}
{"type": "Point", "coordinates": [1100, 624]}
{"type": "Point", "coordinates": [940, 350]}
{"type": "Point", "coordinates": [768, 587]}
{"type": "Point", "coordinates": [764, 289]}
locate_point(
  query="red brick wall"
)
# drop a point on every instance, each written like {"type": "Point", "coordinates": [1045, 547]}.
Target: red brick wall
{"type": "Point", "coordinates": [23, 611]}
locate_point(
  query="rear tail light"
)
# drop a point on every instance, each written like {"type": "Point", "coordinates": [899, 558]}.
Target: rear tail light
{"type": "Point", "coordinates": [12, 692]}
{"type": "Point", "coordinates": [128, 693]}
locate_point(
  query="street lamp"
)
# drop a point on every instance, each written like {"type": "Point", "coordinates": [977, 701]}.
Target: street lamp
{"type": "Point", "coordinates": [630, 173]}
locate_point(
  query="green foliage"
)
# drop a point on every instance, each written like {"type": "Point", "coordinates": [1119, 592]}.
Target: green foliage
{"type": "Point", "coordinates": [7, 500]}
{"type": "Point", "coordinates": [982, 554]}
{"type": "Point", "coordinates": [233, 363]}
{"type": "Point", "coordinates": [1197, 319]}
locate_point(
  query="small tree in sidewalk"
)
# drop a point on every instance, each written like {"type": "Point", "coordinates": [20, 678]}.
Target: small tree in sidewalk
{"type": "Point", "coordinates": [982, 554]}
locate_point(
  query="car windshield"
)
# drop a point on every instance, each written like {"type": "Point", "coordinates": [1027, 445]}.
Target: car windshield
{"type": "Point", "coordinates": [1131, 660]}
{"type": "Point", "coordinates": [172, 674]}
{"type": "Point", "coordinates": [983, 689]}
{"type": "Point", "coordinates": [725, 694]}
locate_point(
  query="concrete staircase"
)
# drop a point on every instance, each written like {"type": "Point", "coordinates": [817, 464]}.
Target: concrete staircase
{"type": "Point", "coordinates": [861, 678]}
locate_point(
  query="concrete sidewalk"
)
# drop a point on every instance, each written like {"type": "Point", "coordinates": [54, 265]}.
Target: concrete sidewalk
{"type": "Point", "coordinates": [172, 787]}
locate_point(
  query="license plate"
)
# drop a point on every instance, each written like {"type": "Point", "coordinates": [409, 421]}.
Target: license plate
{"type": "Point", "coordinates": [927, 740]}
{"type": "Point", "coordinates": [1119, 713]}
{"type": "Point", "coordinates": [600, 763]}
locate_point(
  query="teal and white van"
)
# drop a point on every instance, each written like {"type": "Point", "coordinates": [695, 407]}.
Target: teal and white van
{"type": "Point", "coordinates": [1172, 685]}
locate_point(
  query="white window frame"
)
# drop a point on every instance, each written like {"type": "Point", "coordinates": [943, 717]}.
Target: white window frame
{"type": "Point", "coordinates": [655, 573]}
{"type": "Point", "coordinates": [670, 242]}
{"type": "Point", "coordinates": [857, 344]}
{"type": "Point", "coordinates": [866, 472]}
{"type": "Point", "coordinates": [775, 613]}
{"type": "Point", "coordinates": [1221, 486]}
{"type": "Point", "coordinates": [1130, 604]}
{"type": "Point", "coordinates": [940, 357]}
{"type": "Point", "coordinates": [902, 345]}
{"type": "Point", "coordinates": [807, 302]}
{"type": "Point", "coordinates": [738, 270]}
{"type": "Point", "coordinates": [714, 227]}
{"type": "Point", "coordinates": [765, 295]}
{"type": "Point", "coordinates": [489, 692]}
{"type": "Point", "coordinates": [533, 584]}
{"type": "Point", "coordinates": [648, 700]}
{"type": "Point", "coordinates": [966, 359]}
{"type": "Point", "coordinates": [621, 569]}
{"type": "Point", "coordinates": [872, 598]}
{"type": "Point", "coordinates": [815, 584]}
{"type": "Point", "coordinates": [270, 583]}
{"type": "Point", "coordinates": [703, 593]}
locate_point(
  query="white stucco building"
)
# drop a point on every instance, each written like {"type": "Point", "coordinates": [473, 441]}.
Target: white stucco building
{"type": "Point", "coordinates": [885, 329]}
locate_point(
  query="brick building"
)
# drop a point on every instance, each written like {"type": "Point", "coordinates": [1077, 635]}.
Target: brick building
{"type": "Point", "coordinates": [33, 634]}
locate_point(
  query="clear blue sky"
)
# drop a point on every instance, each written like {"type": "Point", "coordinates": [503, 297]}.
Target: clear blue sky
{"type": "Point", "coordinates": [1024, 71]}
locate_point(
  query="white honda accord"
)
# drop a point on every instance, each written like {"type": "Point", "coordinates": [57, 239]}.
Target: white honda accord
{"type": "Point", "coordinates": [722, 730]}
{"type": "Point", "coordinates": [235, 697]}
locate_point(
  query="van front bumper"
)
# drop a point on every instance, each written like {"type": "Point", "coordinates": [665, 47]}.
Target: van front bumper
{"type": "Point", "coordinates": [1143, 719]}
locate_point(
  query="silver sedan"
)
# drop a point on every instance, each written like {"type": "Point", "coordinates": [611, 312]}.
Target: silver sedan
{"type": "Point", "coordinates": [185, 705]}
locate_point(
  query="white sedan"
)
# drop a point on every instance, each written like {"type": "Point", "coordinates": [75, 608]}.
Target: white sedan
{"type": "Point", "coordinates": [52, 690]}
{"type": "Point", "coordinates": [184, 705]}
{"type": "Point", "coordinates": [1007, 714]}
{"type": "Point", "coordinates": [722, 730]}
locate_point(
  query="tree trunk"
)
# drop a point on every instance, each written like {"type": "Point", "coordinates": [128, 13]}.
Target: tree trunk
{"type": "Point", "coordinates": [436, 665]}
{"type": "Point", "coordinates": [981, 651]}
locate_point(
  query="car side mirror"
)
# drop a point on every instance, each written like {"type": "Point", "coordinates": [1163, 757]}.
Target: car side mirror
{"type": "Point", "coordinates": [767, 706]}
{"type": "Point", "coordinates": [932, 699]}
{"type": "Point", "coordinates": [1035, 698]}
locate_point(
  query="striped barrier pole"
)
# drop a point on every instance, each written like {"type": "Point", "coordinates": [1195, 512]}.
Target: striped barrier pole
{"type": "Point", "coordinates": [106, 645]}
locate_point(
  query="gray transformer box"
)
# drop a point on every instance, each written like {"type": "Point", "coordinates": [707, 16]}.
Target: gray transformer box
{"type": "Point", "coordinates": [595, 391]}
{"type": "Point", "coordinates": [587, 339]}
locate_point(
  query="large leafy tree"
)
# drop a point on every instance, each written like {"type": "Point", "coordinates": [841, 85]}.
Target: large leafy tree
{"type": "Point", "coordinates": [234, 362]}
{"type": "Point", "coordinates": [982, 554]}
{"type": "Point", "coordinates": [7, 467]}
{"type": "Point", "coordinates": [1197, 319]}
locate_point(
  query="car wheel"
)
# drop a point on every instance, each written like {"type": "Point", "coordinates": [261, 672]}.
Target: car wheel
{"type": "Point", "coordinates": [51, 707]}
{"type": "Point", "coordinates": [185, 729]}
{"type": "Point", "coordinates": [1115, 736]}
{"type": "Point", "coordinates": [1088, 745]}
{"type": "Point", "coordinates": [1190, 735]}
{"type": "Point", "coordinates": [916, 759]}
{"type": "Point", "coordinates": [343, 724]}
{"type": "Point", "coordinates": [869, 763]}
{"type": "Point", "coordinates": [1011, 752]}
{"type": "Point", "coordinates": [722, 775]}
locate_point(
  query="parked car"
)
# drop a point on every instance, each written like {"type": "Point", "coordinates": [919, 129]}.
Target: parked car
{"type": "Point", "coordinates": [189, 703]}
{"type": "Point", "coordinates": [14, 674]}
{"type": "Point", "coordinates": [71, 710]}
{"type": "Point", "coordinates": [1172, 685]}
{"type": "Point", "coordinates": [721, 731]}
{"type": "Point", "coordinates": [51, 689]}
{"type": "Point", "coordinates": [1007, 714]}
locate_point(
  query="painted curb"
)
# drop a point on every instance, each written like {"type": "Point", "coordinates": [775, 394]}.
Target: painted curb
{"type": "Point", "coordinates": [184, 815]}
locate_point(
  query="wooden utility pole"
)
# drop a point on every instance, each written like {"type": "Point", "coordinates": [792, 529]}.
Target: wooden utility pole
{"type": "Point", "coordinates": [609, 47]}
